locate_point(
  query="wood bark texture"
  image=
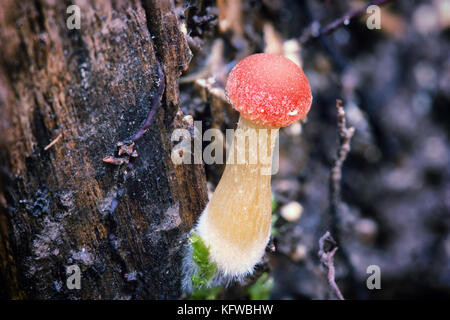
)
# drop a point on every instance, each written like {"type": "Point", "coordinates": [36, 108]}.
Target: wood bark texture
{"type": "Point", "coordinates": [87, 90]}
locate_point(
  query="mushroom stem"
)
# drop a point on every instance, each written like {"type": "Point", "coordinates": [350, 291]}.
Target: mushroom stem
{"type": "Point", "coordinates": [236, 223]}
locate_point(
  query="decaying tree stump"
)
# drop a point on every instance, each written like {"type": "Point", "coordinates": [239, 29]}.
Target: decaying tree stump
{"type": "Point", "coordinates": [86, 90]}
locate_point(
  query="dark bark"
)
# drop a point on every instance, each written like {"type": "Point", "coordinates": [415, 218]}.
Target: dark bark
{"type": "Point", "coordinates": [123, 225]}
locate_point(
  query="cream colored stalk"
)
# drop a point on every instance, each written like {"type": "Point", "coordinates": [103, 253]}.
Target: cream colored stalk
{"type": "Point", "coordinates": [236, 223]}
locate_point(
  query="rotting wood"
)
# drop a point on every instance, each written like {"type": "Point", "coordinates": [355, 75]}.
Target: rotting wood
{"type": "Point", "coordinates": [66, 206]}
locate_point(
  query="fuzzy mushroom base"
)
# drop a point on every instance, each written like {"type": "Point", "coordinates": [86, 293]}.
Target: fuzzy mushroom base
{"type": "Point", "coordinates": [236, 222]}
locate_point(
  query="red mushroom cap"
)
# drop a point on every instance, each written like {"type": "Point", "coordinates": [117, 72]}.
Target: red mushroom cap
{"type": "Point", "coordinates": [269, 89]}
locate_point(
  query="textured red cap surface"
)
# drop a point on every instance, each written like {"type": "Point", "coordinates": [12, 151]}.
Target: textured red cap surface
{"type": "Point", "coordinates": [269, 89]}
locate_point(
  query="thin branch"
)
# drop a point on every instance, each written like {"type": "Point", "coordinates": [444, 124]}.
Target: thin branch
{"type": "Point", "coordinates": [126, 152]}
{"type": "Point", "coordinates": [51, 144]}
{"type": "Point", "coordinates": [315, 33]}
{"type": "Point", "coordinates": [326, 255]}
{"type": "Point", "coordinates": [345, 137]}
{"type": "Point", "coordinates": [155, 103]}
{"type": "Point", "coordinates": [327, 249]}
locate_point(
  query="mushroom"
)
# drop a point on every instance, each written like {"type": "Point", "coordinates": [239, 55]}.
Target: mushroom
{"type": "Point", "coordinates": [269, 91]}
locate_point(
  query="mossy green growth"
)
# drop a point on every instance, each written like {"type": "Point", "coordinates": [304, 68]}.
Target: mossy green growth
{"type": "Point", "coordinates": [206, 293]}
{"type": "Point", "coordinates": [274, 203]}
{"type": "Point", "coordinates": [274, 217]}
{"type": "Point", "coordinates": [274, 220]}
{"type": "Point", "coordinates": [206, 270]}
{"type": "Point", "coordinates": [262, 288]}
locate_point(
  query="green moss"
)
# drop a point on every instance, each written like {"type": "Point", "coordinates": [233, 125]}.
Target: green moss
{"type": "Point", "coordinates": [205, 293]}
{"type": "Point", "coordinates": [274, 220]}
{"type": "Point", "coordinates": [206, 270]}
{"type": "Point", "coordinates": [274, 203]}
{"type": "Point", "coordinates": [262, 288]}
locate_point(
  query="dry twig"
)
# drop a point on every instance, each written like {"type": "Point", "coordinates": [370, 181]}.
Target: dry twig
{"type": "Point", "coordinates": [345, 137]}
{"type": "Point", "coordinates": [326, 256]}
{"type": "Point", "coordinates": [155, 103]}
{"type": "Point", "coordinates": [51, 144]}
{"type": "Point", "coordinates": [327, 249]}
{"type": "Point", "coordinates": [315, 33]}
